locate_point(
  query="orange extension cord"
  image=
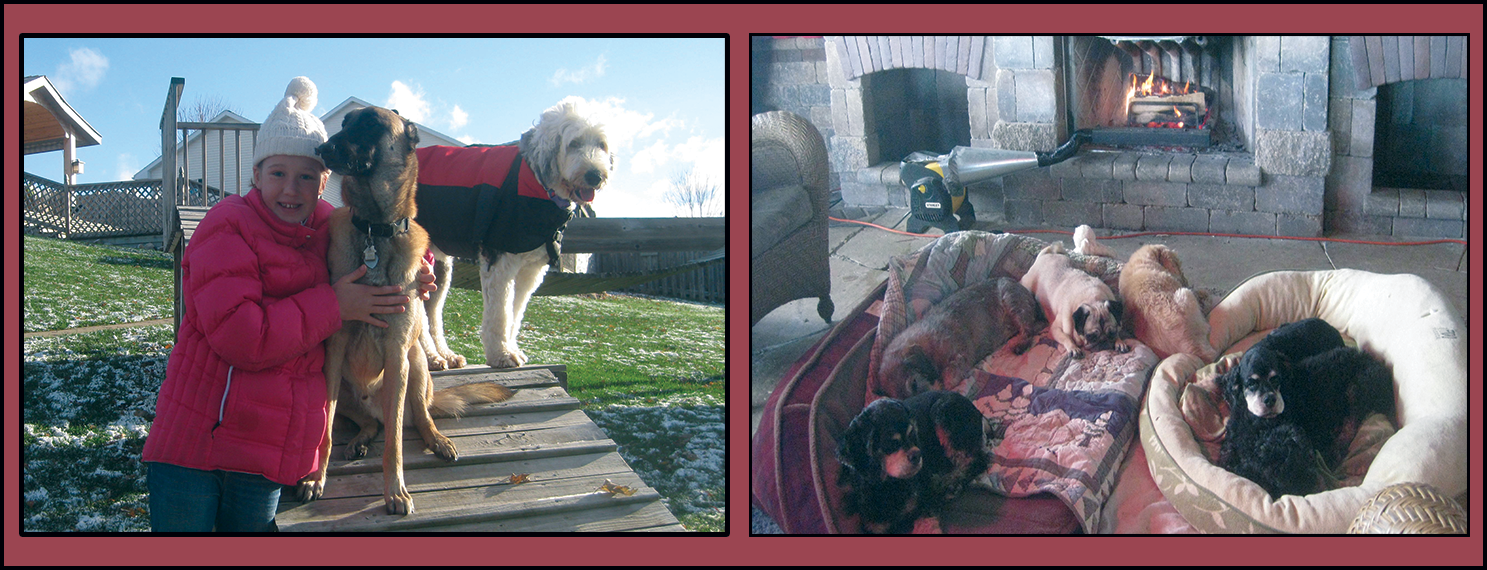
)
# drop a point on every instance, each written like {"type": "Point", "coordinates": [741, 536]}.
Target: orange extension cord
{"type": "Point", "coordinates": [1139, 234]}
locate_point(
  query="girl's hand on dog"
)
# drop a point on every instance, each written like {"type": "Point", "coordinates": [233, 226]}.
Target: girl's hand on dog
{"type": "Point", "coordinates": [425, 278]}
{"type": "Point", "coordinates": [359, 302]}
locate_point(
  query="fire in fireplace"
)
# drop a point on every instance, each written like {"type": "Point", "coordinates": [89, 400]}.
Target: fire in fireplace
{"type": "Point", "coordinates": [1159, 102]}
{"type": "Point", "coordinates": [1149, 91]}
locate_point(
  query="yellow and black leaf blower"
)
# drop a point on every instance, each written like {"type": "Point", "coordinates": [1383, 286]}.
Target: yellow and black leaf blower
{"type": "Point", "coordinates": [937, 183]}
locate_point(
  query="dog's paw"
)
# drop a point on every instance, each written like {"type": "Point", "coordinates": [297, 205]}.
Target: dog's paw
{"type": "Point", "coordinates": [311, 487]}
{"type": "Point", "coordinates": [445, 361]}
{"type": "Point", "coordinates": [444, 448]}
{"type": "Point", "coordinates": [506, 357]}
{"type": "Point", "coordinates": [1022, 345]}
{"type": "Point", "coordinates": [455, 360]}
{"type": "Point", "coordinates": [1075, 353]}
{"type": "Point", "coordinates": [399, 502]}
{"type": "Point", "coordinates": [1122, 346]}
{"type": "Point", "coordinates": [357, 448]}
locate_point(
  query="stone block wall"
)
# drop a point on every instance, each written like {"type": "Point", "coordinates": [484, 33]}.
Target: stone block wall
{"type": "Point", "coordinates": [1220, 193]}
{"type": "Point", "coordinates": [1353, 204]}
{"type": "Point", "coordinates": [1295, 100]}
{"type": "Point", "coordinates": [790, 74]}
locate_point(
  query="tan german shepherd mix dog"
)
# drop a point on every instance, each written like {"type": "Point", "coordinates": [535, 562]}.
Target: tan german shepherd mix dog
{"type": "Point", "coordinates": [384, 370]}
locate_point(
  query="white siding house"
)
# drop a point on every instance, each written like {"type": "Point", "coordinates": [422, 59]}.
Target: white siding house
{"type": "Point", "coordinates": [229, 154]}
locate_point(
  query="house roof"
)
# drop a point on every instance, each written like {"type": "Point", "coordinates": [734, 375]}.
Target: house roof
{"type": "Point", "coordinates": [428, 136]}
{"type": "Point", "coordinates": [46, 118]}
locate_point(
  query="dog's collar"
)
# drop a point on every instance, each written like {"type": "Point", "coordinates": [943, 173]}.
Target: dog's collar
{"type": "Point", "coordinates": [559, 200]}
{"type": "Point", "coordinates": [381, 229]}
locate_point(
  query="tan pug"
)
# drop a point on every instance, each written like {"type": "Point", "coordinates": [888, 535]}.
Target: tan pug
{"type": "Point", "coordinates": [1083, 313]}
{"type": "Point", "coordinates": [1162, 309]}
{"type": "Point", "coordinates": [942, 347]}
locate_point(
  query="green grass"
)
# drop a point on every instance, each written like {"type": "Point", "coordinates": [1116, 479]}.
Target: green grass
{"type": "Point", "coordinates": [648, 371]}
{"type": "Point", "coordinates": [618, 349]}
{"type": "Point", "coordinates": [69, 285]}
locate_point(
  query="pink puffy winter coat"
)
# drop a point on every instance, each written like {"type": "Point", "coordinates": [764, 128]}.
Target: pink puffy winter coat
{"type": "Point", "coordinates": [244, 390]}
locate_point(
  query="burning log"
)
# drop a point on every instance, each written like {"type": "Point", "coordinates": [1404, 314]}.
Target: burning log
{"type": "Point", "coordinates": [1166, 103]}
{"type": "Point", "coordinates": [1171, 109]}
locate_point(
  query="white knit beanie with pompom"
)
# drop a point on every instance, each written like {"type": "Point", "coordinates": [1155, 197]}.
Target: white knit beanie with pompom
{"type": "Point", "coordinates": [291, 128]}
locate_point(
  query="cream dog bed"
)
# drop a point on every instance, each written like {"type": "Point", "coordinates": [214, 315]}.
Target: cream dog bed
{"type": "Point", "coordinates": [1400, 318]}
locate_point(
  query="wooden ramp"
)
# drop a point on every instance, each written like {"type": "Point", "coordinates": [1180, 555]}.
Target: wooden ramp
{"type": "Point", "coordinates": [540, 433]}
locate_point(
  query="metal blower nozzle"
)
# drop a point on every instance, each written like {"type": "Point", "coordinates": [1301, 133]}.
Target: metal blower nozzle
{"type": "Point", "coordinates": [969, 165]}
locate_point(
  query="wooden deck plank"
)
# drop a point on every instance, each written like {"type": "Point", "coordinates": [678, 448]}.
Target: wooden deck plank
{"type": "Point", "coordinates": [465, 506]}
{"type": "Point", "coordinates": [541, 433]}
{"type": "Point", "coordinates": [459, 476]}
{"type": "Point", "coordinates": [482, 448]}
{"type": "Point", "coordinates": [643, 517]}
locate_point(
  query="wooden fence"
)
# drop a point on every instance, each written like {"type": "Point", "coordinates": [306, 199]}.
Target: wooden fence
{"type": "Point", "coordinates": [707, 284]}
{"type": "Point", "coordinates": [88, 211]}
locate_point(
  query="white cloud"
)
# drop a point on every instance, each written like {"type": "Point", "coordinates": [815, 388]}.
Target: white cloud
{"type": "Point", "coordinates": [467, 139]}
{"type": "Point", "coordinates": [458, 118]}
{"type": "Point", "coordinates": [562, 75]}
{"type": "Point", "coordinates": [624, 126]}
{"type": "Point", "coordinates": [408, 102]}
{"type": "Point", "coordinates": [649, 159]}
{"type": "Point", "coordinates": [84, 72]}
{"type": "Point", "coordinates": [706, 155]}
{"type": "Point", "coordinates": [125, 167]}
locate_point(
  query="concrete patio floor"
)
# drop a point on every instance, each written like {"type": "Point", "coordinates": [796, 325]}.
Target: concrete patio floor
{"type": "Point", "coordinates": [859, 260]}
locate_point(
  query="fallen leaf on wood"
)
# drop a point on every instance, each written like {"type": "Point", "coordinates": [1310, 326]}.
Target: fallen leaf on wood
{"type": "Point", "coordinates": [612, 489]}
{"type": "Point", "coordinates": [517, 479]}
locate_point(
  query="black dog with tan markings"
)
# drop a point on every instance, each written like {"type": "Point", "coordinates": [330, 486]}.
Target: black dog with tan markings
{"type": "Point", "coordinates": [384, 370]}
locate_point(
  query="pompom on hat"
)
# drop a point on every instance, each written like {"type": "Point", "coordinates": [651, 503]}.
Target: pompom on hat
{"type": "Point", "coordinates": [291, 128]}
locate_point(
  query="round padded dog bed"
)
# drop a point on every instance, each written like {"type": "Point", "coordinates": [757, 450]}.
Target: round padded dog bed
{"type": "Point", "coordinates": [1399, 318]}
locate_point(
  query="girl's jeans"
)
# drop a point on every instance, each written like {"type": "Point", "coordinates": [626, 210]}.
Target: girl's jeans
{"type": "Point", "coordinates": [191, 500]}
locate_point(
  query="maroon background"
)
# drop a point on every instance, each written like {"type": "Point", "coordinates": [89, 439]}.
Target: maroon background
{"type": "Point", "coordinates": [738, 21]}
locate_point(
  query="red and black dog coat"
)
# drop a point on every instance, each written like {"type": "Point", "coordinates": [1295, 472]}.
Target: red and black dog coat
{"type": "Point", "coordinates": [484, 200]}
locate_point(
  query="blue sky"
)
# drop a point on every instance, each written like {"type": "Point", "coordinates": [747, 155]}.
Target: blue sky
{"type": "Point", "coordinates": [662, 99]}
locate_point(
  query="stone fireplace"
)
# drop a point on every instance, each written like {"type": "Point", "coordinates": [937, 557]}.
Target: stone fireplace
{"type": "Point", "coordinates": [1291, 129]}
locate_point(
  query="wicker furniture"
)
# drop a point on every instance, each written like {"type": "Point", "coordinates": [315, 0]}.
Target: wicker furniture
{"type": "Point", "coordinates": [1410, 508]}
{"type": "Point", "coordinates": [788, 192]}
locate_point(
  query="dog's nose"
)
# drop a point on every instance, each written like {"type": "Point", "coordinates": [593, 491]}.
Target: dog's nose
{"type": "Point", "coordinates": [914, 455]}
{"type": "Point", "coordinates": [593, 177]}
{"type": "Point", "coordinates": [1270, 400]}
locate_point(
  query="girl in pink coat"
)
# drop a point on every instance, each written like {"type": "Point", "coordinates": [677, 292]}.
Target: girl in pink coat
{"type": "Point", "coordinates": [242, 408]}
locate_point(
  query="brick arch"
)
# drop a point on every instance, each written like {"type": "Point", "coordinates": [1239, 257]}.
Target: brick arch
{"type": "Point", "coordinates": [1389, 59]}
{"type": "Point", "coordinates": [862, 55]}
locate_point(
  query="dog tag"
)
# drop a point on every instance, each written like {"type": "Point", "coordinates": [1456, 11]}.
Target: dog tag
{"type": "Point", "coordinates": [370, 256]}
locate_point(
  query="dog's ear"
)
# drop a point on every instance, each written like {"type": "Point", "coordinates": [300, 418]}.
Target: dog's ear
{"type": "Point", "coordinates": [1117, 308]}
{"type": "Point", "coordinates": [410, 130]}
{"type": "Point", "coordinates": [852, 449]}
{"type": "Point", "coordinates": [1230, 386]}
{"type": "Point", "coordinates": [1081, 314]}
{"type": "Point", "coordinates": [541, 151]}
{"type": "Point", "coordinates": [920, 371]}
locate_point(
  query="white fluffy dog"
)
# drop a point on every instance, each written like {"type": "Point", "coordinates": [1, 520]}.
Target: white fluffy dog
{"type": "Point", "coordinates": [571, 158]}
{"type": "Point", "coordinates": [566, 159]}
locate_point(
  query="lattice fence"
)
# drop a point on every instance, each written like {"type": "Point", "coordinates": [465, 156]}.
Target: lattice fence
{"type": "Point", "coordinates": [109, 209]}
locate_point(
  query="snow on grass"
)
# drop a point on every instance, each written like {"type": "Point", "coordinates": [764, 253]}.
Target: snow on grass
{"type": "Point", "coordinates": [677, 448]}
{"type": "Point", "coordinates": [649, 371]}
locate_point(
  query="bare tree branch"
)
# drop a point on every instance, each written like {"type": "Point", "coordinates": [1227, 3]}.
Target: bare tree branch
{"type": "Point", "coordinates": [694, 195]}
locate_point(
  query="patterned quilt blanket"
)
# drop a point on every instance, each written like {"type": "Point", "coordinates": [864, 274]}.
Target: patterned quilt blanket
{"type": "Point", "coordinates": [1067, 423]}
